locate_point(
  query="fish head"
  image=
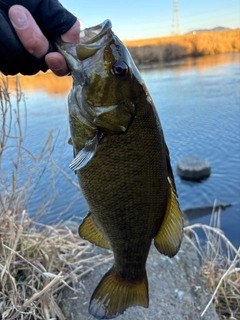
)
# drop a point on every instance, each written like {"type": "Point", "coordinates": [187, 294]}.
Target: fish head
{"type": "Point", "coordinates": [106, 82]}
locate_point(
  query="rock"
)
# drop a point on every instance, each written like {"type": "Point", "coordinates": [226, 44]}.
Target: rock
{"type": "Point", "coordinates": [193, 168]}
{"type": "Point", "coordinates": [198, 212]}
{"type": "Point", "coordinates": [177, 291]}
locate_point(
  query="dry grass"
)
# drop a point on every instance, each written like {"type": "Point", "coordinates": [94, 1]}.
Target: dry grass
{"type": "Point", "coordinates": [199, 43]}
{"type": "Point", "coordinates": [176, 47]}
{"type": "Point", "coordinates": [36, 261]}
{"type": "Point", "coordinates": [154, 54]}
{"type": "Point", "coordinates": [220, 266]}
{"type": "Point", "coordinates": [35, 264]}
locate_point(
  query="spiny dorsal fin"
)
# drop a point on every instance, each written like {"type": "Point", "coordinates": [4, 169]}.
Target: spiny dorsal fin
{"type": "Point", "coordinates": [89, 231]}
{"type": "Point", "coordinates": [114, 295]}
{"type": "Point", "coordinates": [169, 237]}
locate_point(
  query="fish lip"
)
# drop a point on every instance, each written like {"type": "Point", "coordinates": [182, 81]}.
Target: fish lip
{"type": "Point", "coordinates": [87, 36]}
{"type": "Point", "coordinates": [93, 38]}
{"type": "Point", "coordinates": [92, 35]}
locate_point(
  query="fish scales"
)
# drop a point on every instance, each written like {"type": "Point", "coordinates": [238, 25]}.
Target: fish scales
{"type": "Point", "coordinates": [135, 210]}
{"type": "Point", "coordinates": [123, 167]}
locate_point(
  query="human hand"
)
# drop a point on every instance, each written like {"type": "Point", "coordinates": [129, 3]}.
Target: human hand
{"type": "Point", "coordinates": [27, 43]}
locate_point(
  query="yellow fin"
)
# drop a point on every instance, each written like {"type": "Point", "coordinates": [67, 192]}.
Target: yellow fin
{"type": "Point", "coordinates": [169, 237]}
{"type": "Point", "coordinates": [89, 231]}
{"type": "Point", "coordinates": [114, 295]}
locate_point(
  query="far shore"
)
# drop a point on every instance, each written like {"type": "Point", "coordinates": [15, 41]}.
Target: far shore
{"type": "Point", "coordinates": [164, 49]}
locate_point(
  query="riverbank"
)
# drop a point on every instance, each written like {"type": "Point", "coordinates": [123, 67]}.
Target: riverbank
{"type": "Point", "coordinates": [155, 50]}
{"type": "Point", "coordinates": [177, 290]}
{"type": "Point", "coordinates": [49, 272]}
{"type": "Point", "coordinates": [37, 261]}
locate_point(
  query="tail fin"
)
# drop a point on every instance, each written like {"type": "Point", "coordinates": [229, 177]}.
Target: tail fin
{"type": "Point", "coordinates": [114, 295]}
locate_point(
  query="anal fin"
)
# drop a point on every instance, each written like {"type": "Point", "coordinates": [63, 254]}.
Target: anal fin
{"type": "Point", "coordinates": [88, 230]}
{"type": "Point", "coordinates": [169, 237]}
{"type": "Point", "coordinates": [114, 295]}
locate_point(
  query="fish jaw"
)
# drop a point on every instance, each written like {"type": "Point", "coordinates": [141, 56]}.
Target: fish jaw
{"type": "Point", "coordinates": [91, 40]}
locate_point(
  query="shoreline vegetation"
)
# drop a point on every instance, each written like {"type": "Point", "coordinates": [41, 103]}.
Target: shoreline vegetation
{"type": "Point", "coordinates": [220, 265]}
{"type": "Point", "coordinates": [166, 49]}
{"type": "Point", "coordinates": [37, 261]}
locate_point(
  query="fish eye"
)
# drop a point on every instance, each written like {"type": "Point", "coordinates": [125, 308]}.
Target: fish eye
{"type": "Point", "coordinates": [120, 68]}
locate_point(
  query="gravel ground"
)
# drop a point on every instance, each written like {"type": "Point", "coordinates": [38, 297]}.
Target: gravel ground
{"type": "Point", "coordinates": [177, 291]}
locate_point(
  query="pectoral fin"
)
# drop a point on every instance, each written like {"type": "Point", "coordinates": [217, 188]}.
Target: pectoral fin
{"type": "Point", "coordinates": [85, 155]}
{"type": "Point", "coordinates": [89, 231]}
{"type": "Point", "coordinates": [169, 237]}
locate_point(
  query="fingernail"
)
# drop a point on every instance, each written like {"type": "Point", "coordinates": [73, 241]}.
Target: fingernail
{"type": "Point", "coordinates": [54, 65]}
{"type": "Point", "coordinates": [19, 18]}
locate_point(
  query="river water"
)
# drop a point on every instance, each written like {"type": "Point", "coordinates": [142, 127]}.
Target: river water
{"type": "Point", "coordinates": [198, 101]}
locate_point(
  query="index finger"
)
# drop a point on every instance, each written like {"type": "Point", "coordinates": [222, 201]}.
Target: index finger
{"type": "Point", "coordinates": [28, 31]}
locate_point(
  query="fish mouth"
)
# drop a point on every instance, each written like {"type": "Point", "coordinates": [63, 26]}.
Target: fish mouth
{"type": "Point", "coordinates": [96, 33]}
{"type": "Point", "coordinates": [91, 40]}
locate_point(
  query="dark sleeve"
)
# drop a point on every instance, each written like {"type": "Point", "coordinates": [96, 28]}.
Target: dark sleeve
{"type": "Point", "coordinates": [52, 18]}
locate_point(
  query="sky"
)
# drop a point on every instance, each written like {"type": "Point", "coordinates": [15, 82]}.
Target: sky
{"type": "Point", "coordinates": [138, 19]}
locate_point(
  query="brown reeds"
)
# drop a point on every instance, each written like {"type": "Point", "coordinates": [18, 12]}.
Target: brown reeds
{"type": "Point", "coordinates": [36, 261]}
{"type": "Point", "coordinates": [220, 262]}
{"type": "Point", "coordinates": [202, 42]}
{"type": "Point", "coordinates": [189, 45]}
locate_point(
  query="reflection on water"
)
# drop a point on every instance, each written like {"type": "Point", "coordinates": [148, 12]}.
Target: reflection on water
{"type": "Point", "coordinates": [198, 101]}
{"type": "Point", "coordinates": [46, 82]}
{"type": "Point", "coordinates": [202, 63]}
{"type": "Point", "coordinates": [52, 84]}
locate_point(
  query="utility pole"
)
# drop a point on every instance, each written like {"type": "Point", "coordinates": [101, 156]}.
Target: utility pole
{"type": "Point", "coordinates": [175, 22]}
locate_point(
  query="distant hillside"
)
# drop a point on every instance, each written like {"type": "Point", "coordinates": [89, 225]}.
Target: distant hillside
{"type": "Point", "coordinates": [210, 30]}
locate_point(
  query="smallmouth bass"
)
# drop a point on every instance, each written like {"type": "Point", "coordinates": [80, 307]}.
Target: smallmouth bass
{"type": "Point", "coordinates": [123, 167]}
